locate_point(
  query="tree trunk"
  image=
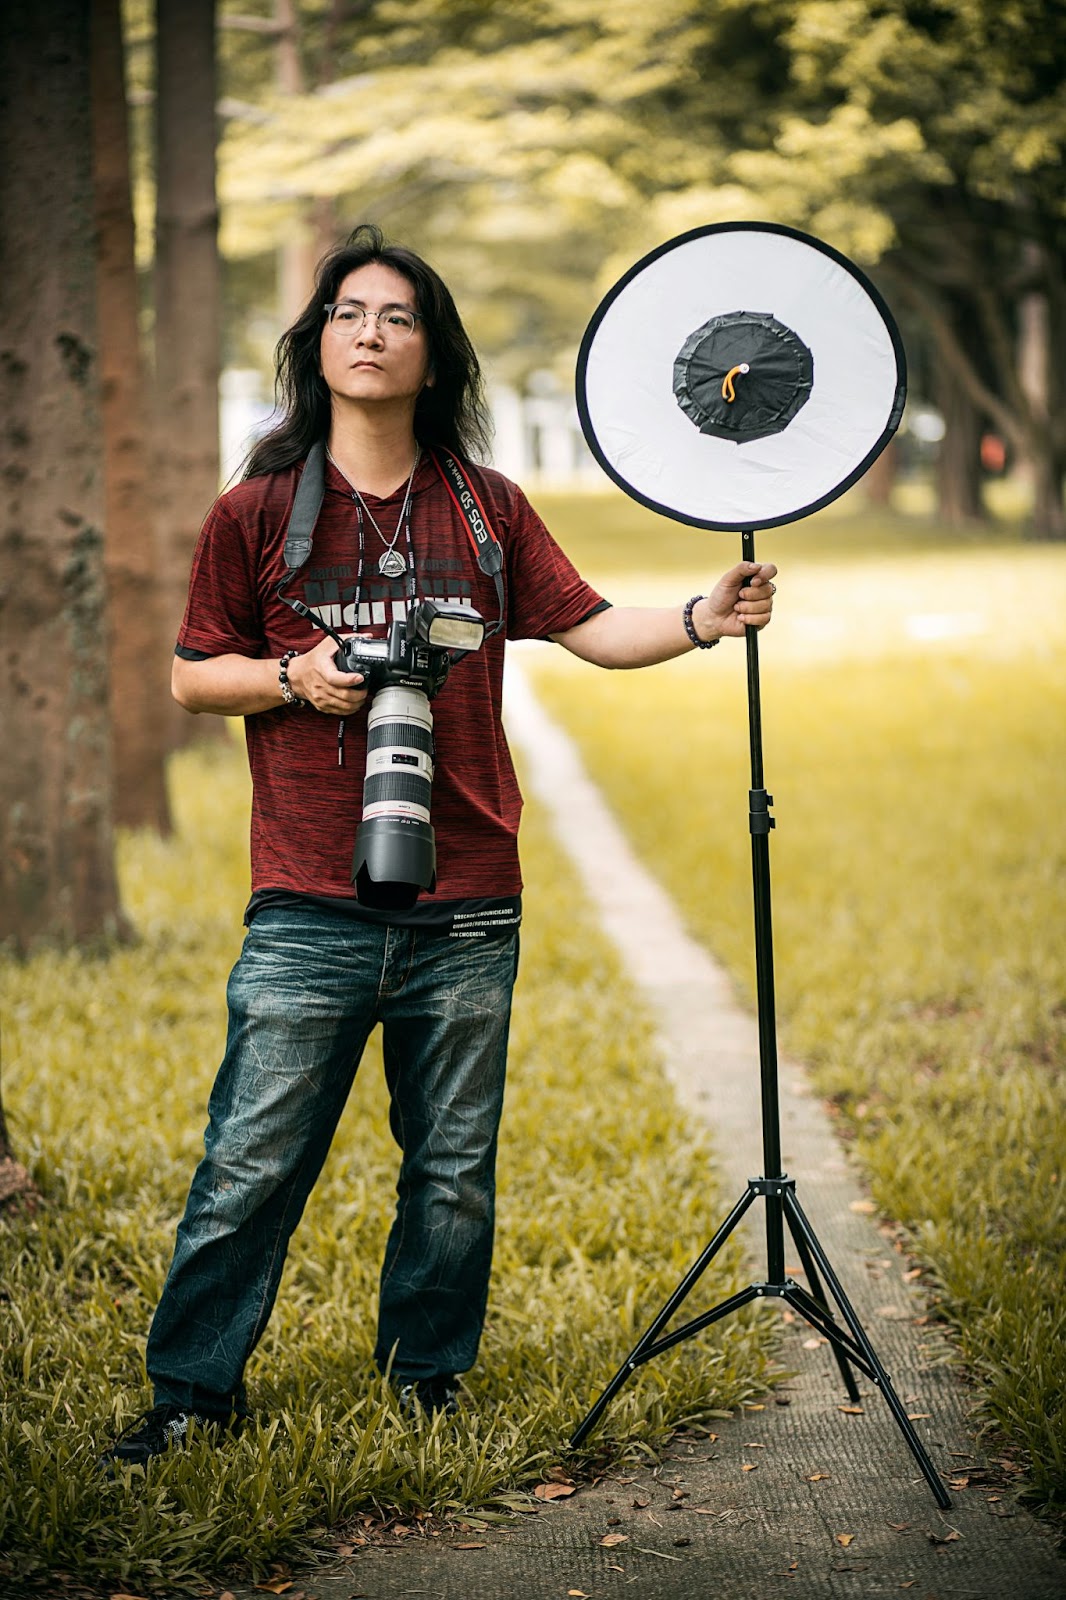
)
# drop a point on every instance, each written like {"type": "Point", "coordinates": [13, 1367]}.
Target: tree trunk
{"type": "Point", "coordinates": [57, 874]}
{"type": "Point", "coordinates": [298, 256]}
{"type": "Point", "coordinates": [958, 462]}
{"type": "Point", "coordinates": [140, 692]}
{"type": "Point", "coordinates": [187, 301]}
{"type": "Point", "coordinates": [1043, 470]}
{"type": "Point", "coordinates": [879, 480]}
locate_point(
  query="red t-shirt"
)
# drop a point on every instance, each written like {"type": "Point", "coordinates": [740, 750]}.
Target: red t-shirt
{"type": "Point", "coordinates": [305, 805]}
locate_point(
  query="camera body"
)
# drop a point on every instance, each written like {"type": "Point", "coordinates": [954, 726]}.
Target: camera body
{"type": "Point", "coordinates": [405, 664]}
{"type": "Point", "coordinates": [395, 847]}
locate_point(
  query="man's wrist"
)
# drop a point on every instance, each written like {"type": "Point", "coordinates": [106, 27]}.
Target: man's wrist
{"type": "Point", "coordinates": [288, 695]}
{"type": "Point", "coordinates": [699, 623]}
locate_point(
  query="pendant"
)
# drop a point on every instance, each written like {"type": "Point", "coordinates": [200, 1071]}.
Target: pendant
{"type": "Point", "coordinates": [391, 564]}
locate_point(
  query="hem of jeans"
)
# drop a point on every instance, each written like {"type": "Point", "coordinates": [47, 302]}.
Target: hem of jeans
{"type": "Point", "coordinates": [229, 1411]}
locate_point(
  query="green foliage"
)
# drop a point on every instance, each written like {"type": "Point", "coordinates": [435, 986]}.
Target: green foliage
{"type": "Point", "coordinates": [604, 1202]}
{"type": "Point", "coordinates": [918, 875]}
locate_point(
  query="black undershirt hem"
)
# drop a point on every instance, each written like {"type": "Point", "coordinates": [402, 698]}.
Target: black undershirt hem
{"type": "Point", "coordinates": [490, 917]}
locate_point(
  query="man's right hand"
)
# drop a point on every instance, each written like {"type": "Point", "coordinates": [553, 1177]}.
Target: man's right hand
{"type": "Point", "coordinates": [314, 677]}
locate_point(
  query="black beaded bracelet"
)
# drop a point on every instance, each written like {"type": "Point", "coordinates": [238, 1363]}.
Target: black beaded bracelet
{"type": "Point", "coordinates": [690, 626]}
{"type": "Point", "coordinates": [287, 695]}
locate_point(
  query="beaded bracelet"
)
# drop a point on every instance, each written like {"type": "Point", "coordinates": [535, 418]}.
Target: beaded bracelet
{"type": "Point", "coordinates": [690, 626]}
{"type": "Point", "coordinates": [287, 695]}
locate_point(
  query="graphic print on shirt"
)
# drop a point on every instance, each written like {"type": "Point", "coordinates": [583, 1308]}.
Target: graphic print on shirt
{"type": "Point", "coordinates": [331, 593]}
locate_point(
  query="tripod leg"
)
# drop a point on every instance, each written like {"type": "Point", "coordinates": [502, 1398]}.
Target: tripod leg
{"type": "Point", "coordinates": [637, 1354]}
{"type": "Point", "coordinates": [794, 1211]}
{"type": "Point", "coordinates": [818, 1293]}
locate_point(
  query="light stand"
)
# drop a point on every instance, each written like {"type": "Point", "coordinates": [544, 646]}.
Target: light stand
{"type": "Point", "coordinates": [849, 1343]}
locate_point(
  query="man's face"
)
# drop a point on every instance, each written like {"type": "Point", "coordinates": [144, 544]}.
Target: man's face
{"type": "Point", "coordinates": [376, 362]}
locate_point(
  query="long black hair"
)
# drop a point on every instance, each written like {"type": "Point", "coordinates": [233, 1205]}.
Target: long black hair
{"type": "Point", "coordinates": [451, 413]}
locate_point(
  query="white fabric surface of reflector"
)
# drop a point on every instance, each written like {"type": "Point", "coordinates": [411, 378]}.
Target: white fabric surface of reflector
{"type": "Point", "coordinates": [659, 453]}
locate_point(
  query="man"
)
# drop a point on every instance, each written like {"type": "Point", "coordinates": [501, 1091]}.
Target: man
{"type": "Point", "coordinates": [380, 368]}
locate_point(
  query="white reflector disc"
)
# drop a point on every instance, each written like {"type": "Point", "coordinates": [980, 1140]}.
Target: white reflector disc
{"type": "Point", "coordinates": [740, 376]}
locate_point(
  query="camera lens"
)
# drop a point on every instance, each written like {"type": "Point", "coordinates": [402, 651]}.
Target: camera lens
{"type": "Point", "coordinates": [395, 848]}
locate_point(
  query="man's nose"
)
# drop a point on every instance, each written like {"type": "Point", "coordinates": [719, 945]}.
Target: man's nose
{"type": "Point", "coordinates": [370, 333]}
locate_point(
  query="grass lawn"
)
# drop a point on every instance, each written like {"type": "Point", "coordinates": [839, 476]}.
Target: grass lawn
{"type": "Point", "coordinates": [107, 1067]}
{"type": "Point", "coordinates": [914, 707]}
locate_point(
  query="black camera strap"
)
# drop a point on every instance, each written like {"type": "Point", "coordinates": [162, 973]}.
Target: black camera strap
{"type": "Point", "coordinates": [487, 548]}
{"type": "Point", "coordinates": [307, 503]}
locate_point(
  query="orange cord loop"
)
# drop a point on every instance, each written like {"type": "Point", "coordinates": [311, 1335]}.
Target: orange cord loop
{"type": "Point", "coordinates": [728, 392]}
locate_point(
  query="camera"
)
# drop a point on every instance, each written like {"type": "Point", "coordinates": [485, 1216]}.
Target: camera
{"type": "Point", "coordinates": [395, 848]}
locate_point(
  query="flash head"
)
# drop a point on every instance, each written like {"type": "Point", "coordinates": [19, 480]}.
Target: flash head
{"type": "Point", "coordinates": [449, 625]}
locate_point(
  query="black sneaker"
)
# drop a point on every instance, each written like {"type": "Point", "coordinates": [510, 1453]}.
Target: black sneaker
{"type": "Point", "coordinates": [432, 1394]}
{"type": "Point", "coordinates": [163, 1428]}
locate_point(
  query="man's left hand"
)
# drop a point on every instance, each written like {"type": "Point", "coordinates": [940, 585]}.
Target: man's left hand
{"type": "Point", "coordinates": [743, 598]}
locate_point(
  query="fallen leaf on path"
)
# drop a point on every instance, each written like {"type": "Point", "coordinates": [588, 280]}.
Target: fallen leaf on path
{"type": "Point", "coordinates": [898, 1527]}
{"type": "Point", "coordinates": [749, 1444]}
{"type": "Point", "coordinates": [275, 1585]}
{"type": "Point", "coordinates": [813, 1344]}
{"type": "Point", "coordinates": [909, 1277]}
{"type": "Point", "coordinates": [918, 1416]}
{"type": "Point", "coordinates": [844, 1539]}
{"type": "Point", "coordinates": [909, 1583]}
{"type": "Point", "coordinates": [554, 1491]}
{"type": "Point", "coordinates": [893, 1313]}
{"type": "Point", "coordinates": [867, 1207]}
{"type": "Point", "coordinates": [471, 1544]}
{"type": "Point", "coordinates": [852, 1411]}
{"type": "Point", "coordinates": [945, 1538]}
{"type": "Point", "coordinates": [609, 1540]}
{"type": "Point", "coordinates": [750, 1466]}
{"type": "Point", "coordinates": [578, 1594]}
{"type": "Point", "coordinates": [958, 1483]}
{"type": "Point", "coordinates": [816, 1477]}
{"type": "Point", "coordinates": [559, 1475]}
{"type": "Point", "coordinates": [638, 1505]}
{"type": "Point", "coordinates": [754, 1408]}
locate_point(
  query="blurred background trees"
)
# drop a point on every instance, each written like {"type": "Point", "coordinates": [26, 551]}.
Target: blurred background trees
{"type": "Point", "coordinates": [532, 150]}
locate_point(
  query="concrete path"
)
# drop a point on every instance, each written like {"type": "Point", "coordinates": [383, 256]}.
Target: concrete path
{"type": "Point", "coordinates": [799, 1496]}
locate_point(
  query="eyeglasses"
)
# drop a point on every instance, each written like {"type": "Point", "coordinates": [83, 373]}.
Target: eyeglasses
{"type": "Point", "coordinates": [345, 318]}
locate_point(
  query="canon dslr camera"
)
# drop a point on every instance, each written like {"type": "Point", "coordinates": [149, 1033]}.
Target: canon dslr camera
{"type": "Point", "coordinates": [395, 849]}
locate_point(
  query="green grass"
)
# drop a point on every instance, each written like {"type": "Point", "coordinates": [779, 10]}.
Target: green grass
{"type": "Point", "coordinates": [604, 1201]}
{"type": "Point", "coordinates": [918, 876]}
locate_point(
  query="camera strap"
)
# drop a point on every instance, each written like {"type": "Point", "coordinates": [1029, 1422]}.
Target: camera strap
{"type": "Point", "coordinates": [307, 503]}
{"type": "Point", "coordinates": [479, 529]}
{"type": "Point", "coordinates": [310, 492]}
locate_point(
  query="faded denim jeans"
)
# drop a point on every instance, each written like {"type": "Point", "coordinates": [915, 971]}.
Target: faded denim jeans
{"type": "Point", "coordinates": [308, 987]}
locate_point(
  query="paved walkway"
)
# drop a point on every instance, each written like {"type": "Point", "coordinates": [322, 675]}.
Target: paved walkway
{"type": "Point", "coordinates": [799, 1496]}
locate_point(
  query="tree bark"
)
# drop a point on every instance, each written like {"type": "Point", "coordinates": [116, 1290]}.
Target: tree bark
{"type": "Point", "coordinates": [187, 284]}
{"type": "Point", "coordinates": [57, 874]}
{"type": "Point", "coordinates": [958, 461]}
{"type": "Point", "coordinates": [298, 256]}
{"type": "Point", "coordinates": [140, 693]}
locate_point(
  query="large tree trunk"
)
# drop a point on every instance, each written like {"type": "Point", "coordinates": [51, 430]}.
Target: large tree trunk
{"type": "Point", "coordinates": [187, 300]}
{"type": "Point", "coordinates": [958, 461]}
{"type": "Point", "coordinates": [298, 256]}
{"type": "Point", "coordinates": [140, 692]}
{"type": "Point", "coordinates": [1038, 364]}
{"type": "Point", "coordinates": [57, 875]}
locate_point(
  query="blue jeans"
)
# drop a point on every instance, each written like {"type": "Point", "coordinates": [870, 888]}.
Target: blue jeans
{"type": "Point", "coordinates": [309, 986]}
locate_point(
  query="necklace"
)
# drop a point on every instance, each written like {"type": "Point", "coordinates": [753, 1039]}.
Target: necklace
{"type": "Point", "coordinates": [391, 563]}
